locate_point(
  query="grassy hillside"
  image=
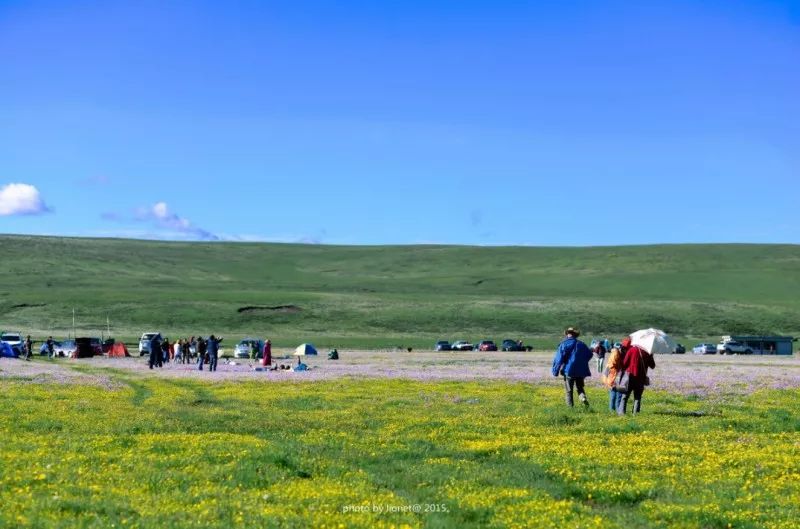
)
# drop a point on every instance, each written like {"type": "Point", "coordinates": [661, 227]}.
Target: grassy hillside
{"type": "Point", "coordinates": [394, 295]}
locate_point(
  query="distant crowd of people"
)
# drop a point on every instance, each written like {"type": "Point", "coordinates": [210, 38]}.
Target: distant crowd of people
{"type": "Point", "coordinates": [624, 375]}
{"type": "Point", "coordinates": [195, 349]}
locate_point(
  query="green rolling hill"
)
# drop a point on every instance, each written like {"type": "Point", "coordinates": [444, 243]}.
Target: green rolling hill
{"type": "Point", "coordinates": [385, 296]}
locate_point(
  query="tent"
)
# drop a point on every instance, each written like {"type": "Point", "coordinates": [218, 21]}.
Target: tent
{"type": "Point", "coordinates": [6, 351]}
{"type": "Point", "coordinates": [305, 349]}
{"type": "Point", "coordinates": [118, 349]}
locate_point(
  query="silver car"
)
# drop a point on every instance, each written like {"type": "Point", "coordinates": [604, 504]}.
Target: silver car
{"type": "Point", "coordinates": [248, 348]}
{"type": "Point", "coordinates": [144, 342]}
{"type": "Point", "coordinates": [65, 348]}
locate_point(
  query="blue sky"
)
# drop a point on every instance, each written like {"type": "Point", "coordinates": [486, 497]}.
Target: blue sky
{"type": "Point", "coordinates": [530, 123]}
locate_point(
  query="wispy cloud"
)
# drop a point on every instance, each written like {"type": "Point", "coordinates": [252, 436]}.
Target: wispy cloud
{"type": "Point", "coordinates": [160, 216]}
{"type": "Point", "coordinates": [21, 199]}
{"type": "Point", "coordinates": [164, 225]}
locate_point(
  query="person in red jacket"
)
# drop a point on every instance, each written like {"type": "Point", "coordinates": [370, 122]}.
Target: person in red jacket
{"type": "Point", "coordinates": [267, 358]}
{"type": "Point", "coordinates": [636, 362]}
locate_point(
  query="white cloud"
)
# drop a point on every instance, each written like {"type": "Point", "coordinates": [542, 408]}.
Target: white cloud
{"type": "Point", "coordinates": [160, 210]}
{"type": "Point", "coordinates": [160, 215]}
{"type": "Point", "coordinates": [21, 199]}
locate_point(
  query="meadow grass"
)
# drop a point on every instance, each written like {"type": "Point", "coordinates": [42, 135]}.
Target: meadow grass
{"type": "Point", "coordinates": [394, 296]}
{"type": "Point", "coordinates": [144, 451]}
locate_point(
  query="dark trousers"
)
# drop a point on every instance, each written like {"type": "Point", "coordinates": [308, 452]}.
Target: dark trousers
{"type": "Point", "coordinates": [212, 361]}
{"type": "Point", "coordinates": [636, 389]}
{"type": "Point", "coordinates": [569, 384]}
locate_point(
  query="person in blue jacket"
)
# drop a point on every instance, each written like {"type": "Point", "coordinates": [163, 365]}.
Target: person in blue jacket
{"type": "Point", "coordinates": [571, 361]}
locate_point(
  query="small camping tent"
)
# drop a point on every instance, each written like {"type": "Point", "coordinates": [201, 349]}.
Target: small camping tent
{"type": "Point", "coordinates": [305, 349]}
{"type": "Point", "coordinates": [118, 349]}
{"type": "Point", "coordinates": [6, 351]}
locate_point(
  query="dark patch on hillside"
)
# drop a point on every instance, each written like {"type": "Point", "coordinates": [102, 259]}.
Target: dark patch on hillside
{"type": "Point", "coordinates": [26, 305]}
{"type": "Point", "coordinates": [292, 309]}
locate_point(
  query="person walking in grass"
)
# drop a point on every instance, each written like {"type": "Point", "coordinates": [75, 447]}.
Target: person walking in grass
{"type": "Point", "coordinates": [192, 345]}
{"type": "Point", "coordinates": [600, 354]}
{"type": "Point", "coordinates": [185, 351]}
{"type": "Point", "coordinates": [571, 361]}
{"type": "Point", "coordinates": [635, 363]}
{"type": "Point", "coordinates": [28, 348]}
{"type": "Point", "coordinates": [165, 351]}
{"type": "Point", "coordinates": [155, 352]}
{"type": "Point", "coordinates": [613, 367]}
{"type": "Point", "coordinates": [213, 352]}
{"type": "Point", "coordinates": [267, 357]}
{"type": "Point", "coordinates": [201, 352]}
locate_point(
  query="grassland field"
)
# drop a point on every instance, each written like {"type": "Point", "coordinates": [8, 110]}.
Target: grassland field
{"type": "Point", "coordinates": [392, 439]}
{"type": "Point", "coordinates": [386, 297]}
{"type": "Point", "coordinates": [105, 443]}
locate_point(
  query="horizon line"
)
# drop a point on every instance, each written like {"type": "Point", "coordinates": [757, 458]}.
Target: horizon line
{"type": "Point", "coordinates": [379, 245]}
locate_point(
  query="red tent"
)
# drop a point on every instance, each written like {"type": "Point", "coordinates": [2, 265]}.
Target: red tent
{"type": "Point", "coordinates": [118, 349]}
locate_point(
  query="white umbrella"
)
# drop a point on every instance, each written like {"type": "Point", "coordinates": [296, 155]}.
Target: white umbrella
{"type": "Point", "coordinates": [654, 341]}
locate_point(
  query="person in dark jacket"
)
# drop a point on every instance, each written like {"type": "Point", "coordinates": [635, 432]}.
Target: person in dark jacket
{"type": "Point", "coordinates": [155, 352]}
{"type": "Point", "coordinates": [571, 361]}
{"type": "Point", "coordinates": [28, 348]}
{"type": "Point", "coordinates": [600, 355]}
{"type": "Point", "coordinates": [185, 351]}
{"type": "Point", "coordinates": [201, 352]}
{"type": "Point", "coordinates": [636, 362]}
{"type": "Point", "coordinates": [165, 350]}
{"type": "Point", "coordinates": [267, 356]}
{"type": "Point", "coordinates": [213, 352]}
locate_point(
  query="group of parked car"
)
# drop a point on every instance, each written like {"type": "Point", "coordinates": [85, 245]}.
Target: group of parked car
{"type": "Point", "coordinates": [483, 345]}
{"type": "Point", "coordinates": [64, 348]}
{"type": "Point", "coordinates": [726, 346]}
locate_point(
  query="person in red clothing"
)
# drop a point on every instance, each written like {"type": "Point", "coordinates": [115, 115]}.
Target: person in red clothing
{"type": "Point", "coordinates": [267, 358]}
{"type": "Point", "coordinates": [636, 362]}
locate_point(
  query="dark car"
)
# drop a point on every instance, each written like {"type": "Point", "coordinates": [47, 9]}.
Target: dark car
{"type": "Point", "coordinates": [97, 345]}
{"type": "Point", "coordinates": [442, 345]}
{"type": "Point", "coordinates": [86, 347]}
{"type": "Point", "coordinates": [486, 345]}
{"type": "Point", "coordinates": [515, 345]}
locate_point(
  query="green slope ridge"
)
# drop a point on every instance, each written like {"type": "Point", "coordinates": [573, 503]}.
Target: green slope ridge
{"type": "Point", "coordinates": [377, 296]}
